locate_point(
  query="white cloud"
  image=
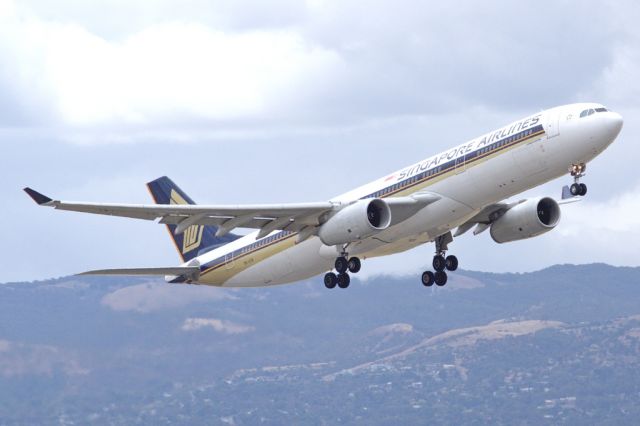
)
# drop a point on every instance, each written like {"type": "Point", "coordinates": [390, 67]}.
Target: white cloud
{"type": "Point", "coordinates": [619, 82]}
{"type": "Point", "coordinates": [607, 231]}
{"type": "Point", "coordinates": [163, 73]}
{"type": "Point", "coordinates": [221, 326]}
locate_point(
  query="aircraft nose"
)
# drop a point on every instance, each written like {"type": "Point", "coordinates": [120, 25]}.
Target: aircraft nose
{"type": "Point", "coordinates": [614, 123]}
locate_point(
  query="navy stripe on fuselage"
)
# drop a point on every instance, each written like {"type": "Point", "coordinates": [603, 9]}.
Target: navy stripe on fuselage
{"type": "Point", "coordinates": [390, 190]}
{"type": "Point", "coordinates": [440, 169]}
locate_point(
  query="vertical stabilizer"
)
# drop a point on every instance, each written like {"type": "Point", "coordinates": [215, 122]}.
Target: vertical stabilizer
{"type": "Point", "coordinates": [196, 239]}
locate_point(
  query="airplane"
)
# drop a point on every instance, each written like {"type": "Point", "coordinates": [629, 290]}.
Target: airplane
{"type": "Point", "coordinates": [435, 200]}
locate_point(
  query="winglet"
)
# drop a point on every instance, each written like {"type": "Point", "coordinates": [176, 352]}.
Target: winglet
{"type": "Point", "coordinates": [37, 197]}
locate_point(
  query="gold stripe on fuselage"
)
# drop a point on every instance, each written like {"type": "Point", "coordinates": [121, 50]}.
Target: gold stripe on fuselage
{"type": "Point", "coordinates": [227, 269]}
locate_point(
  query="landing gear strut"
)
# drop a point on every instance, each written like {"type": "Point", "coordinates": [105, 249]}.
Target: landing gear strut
{"type": "Point", "coordinates": [440, 264]}
{"type": "Point", "coordinates": [343, 264]}
{"type": "Point", "coordinates": [577, 171]}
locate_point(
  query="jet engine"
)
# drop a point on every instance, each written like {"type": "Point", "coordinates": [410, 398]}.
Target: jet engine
{"type": "Point", "coordinates": [528, 219]}
{"type": "Point", "coordinates": [357, 221]}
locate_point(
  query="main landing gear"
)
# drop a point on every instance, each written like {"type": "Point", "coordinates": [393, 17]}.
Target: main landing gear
{"type": "Point", "coordinates": [577, 188]}
{"type": "Point", "coordinates": [343, 264]}
{"type": "Point", "coordinates": [440, 264]}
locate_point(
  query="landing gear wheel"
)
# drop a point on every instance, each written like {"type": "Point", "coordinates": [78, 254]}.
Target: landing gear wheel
{"type": "Point", "coordinates": [354, 265]}
{"type": "Point", "coordinates": [575, 189]}
{"type": "Point", "coordinates": [330, 280]}
{"type": "Point", "coordinates": [343, 280]}
{"type": "Point", "coordinates": [428, 278]}
{"type": "Point", "coordinates": [451, 263]}
{"type": "Point", "coordinates": [440, 278]}
{"type": "Point", "coordinates": [341, 264]}
{"type": "Point", "coordinates": [583, 189]}
{"type": "Point", "coordinates": [439, 263]}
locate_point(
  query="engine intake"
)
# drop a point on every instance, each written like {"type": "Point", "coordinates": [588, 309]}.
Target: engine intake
{"type": "Point", "coordinates": [526, 220]}
{"type": "Point", "coordinates": [355, 222]}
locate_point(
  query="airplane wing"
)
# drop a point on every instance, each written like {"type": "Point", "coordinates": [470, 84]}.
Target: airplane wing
{"type": "Point", "coordinates": [482, 221]}
{"type": "Point", "coordinates": [265, 217]}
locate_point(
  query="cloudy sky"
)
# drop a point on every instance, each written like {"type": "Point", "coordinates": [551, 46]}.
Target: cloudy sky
{"type": "Point", "coordinates": [243, 101]}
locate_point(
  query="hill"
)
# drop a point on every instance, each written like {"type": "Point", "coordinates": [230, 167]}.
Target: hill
{"type": "Point", "coordinates": [560, 345]}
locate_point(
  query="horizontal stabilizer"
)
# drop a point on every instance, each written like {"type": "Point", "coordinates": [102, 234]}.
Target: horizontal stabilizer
{"type": "Point", "coordinates": [175, 270]}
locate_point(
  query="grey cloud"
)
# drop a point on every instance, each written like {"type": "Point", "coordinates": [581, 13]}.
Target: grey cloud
{"type": "Point", "coordinates": [422, 59]}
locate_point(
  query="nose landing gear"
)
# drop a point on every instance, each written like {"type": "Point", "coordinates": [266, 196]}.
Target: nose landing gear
{"type": "Point", "coordinates": [577, 171]}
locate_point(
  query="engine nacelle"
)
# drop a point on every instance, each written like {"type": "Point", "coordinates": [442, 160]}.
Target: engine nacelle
{"type": "Point", "coordinates": [358, 221]}
{"type": "Point", "coordinates": [529, 219]}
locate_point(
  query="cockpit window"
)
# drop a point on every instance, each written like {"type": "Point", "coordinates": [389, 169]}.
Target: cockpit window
{"type": "Point", "coordinates": [590, 111]}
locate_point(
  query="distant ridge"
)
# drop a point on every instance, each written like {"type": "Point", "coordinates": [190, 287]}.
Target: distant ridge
{"type": "Point", "coordinates": [561, 342]}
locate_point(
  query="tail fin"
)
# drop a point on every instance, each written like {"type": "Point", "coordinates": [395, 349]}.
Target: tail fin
{"type": "Point", "coordinates": [196, 239]}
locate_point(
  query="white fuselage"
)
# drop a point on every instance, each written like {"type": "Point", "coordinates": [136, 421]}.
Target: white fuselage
{"type": "Point", "coordinates": [469, 177]}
